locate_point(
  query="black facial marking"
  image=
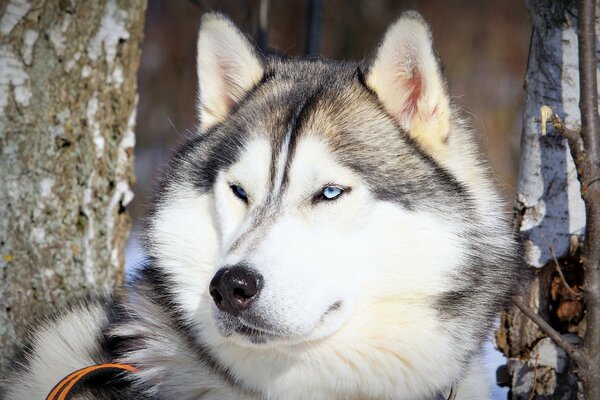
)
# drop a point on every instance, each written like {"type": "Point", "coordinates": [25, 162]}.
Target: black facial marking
{"type": "Point", "coordinates": [296, 124]}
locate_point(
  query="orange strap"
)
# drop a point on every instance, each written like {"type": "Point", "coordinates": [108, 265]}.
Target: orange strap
{"type": "Point", "coordinates": [62, 390]}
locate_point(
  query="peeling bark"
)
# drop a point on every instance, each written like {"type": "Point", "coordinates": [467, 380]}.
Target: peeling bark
{"type": "Point", "coordinates": [67, 111]}
{"type": "Point", "coordinates": [551, 212]}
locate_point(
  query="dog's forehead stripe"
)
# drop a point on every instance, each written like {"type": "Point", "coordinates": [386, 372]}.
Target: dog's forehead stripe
{"type": "Point", "coordinates": [295, 131]}
{"type": "Point", "coordinates": [283, 152]}
{"type": "Point", "coordinates": [278, 166]}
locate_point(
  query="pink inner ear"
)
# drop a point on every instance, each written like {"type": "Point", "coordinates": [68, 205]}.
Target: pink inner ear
{"type": "Point", "coordinates": [413, 85]}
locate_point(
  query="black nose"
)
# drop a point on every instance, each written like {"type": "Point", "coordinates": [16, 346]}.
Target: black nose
{"type": "Point", "coordinates": [234, 288]}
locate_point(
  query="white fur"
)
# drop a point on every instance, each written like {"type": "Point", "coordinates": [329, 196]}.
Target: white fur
{"type": "Point", "coordinates": [373, 256]}
{"type": "Point", "coordinates": [187, 225]}
{"type": "Point", "coordinates": [58, 348]}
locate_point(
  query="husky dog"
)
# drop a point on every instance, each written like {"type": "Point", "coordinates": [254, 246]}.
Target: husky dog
{"type": "Point", "coordinates": [330, 233]}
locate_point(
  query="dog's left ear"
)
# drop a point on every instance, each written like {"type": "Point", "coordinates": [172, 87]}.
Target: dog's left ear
{"type": "Point", "coordinates": [406, 77]}
{"type": "Point", "coordinates": [228, 67]}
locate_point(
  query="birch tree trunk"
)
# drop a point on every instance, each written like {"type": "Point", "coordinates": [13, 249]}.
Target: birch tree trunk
{"type": "Point", "coordinates": [550, 213]}
{"type": "Point", "coordinates": [67, 111]}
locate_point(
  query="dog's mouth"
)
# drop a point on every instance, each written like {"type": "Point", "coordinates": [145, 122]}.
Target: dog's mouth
{"type": "Point", "coordinates": [254, 334]}
{"type": "Point", "coordinates": [244, 329]}
{"type": "Point", "coordinates": [257, 331]}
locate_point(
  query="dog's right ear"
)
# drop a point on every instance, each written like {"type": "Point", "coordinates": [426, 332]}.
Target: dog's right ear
{"type": "Point", "coordinates": [228, 67]}
{"type": "Point", "coordinates": [407, 78]}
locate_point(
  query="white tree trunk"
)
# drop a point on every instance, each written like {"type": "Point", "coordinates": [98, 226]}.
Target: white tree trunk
{"type": "Point", "coordinates": [67, 110]}
{"type": "Point", "coordinates": [550, 211]}
{"type": "Point", "coordinates": [548, 189]}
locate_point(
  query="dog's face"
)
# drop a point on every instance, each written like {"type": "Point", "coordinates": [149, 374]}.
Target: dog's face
{"type": "Point", "coordinates": [304, 241]}
{"type": "Point", "coordinates": [313, 192]}
{"type": "Point", "coordinates": [322, 210]}
{"type": "Point", "coordinates": [293, 225]}
{"type": "Point", "coordinates": [331, 220]}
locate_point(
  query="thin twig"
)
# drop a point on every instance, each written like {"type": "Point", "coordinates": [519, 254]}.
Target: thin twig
{"type": "Point", "coordinates": [573, 352]}
{"type": "Point", "coordinates": [570, 134]}
{"type": "Point", "coordinates": [573, 293]}
{"type": "Point", "coordinates": [534, 379]}
{"type": "Point", "coordinates": [575, 144]}
{"type": "Point", "coordinates": [573, 137]}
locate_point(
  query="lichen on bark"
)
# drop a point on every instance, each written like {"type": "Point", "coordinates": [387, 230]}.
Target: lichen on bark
{"type": "Point", "coordinates": [67, 110]}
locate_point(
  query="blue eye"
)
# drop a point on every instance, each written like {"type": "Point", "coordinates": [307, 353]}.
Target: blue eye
{"type": "Point", "coordinates": [331, 192]}
{"type": "Point", "coordinates": [239, 192]}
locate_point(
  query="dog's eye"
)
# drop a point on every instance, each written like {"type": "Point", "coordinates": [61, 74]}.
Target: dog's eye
{"type": "Point", "coordinates": [239, 192]}
{"type": "Point", "coordinates": [331, 192]}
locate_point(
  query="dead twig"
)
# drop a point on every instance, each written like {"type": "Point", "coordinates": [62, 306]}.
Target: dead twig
{"type": "Point", "coordinates": [534, 379]}
{"type": "Point", "coordinates": [573, 293]}
{"type": "Point", "coordinates": [574, 353]}
{"type": "Point", "coordinates": [573, 137]}
{"type": "Point", "coordinates": [548, 115]}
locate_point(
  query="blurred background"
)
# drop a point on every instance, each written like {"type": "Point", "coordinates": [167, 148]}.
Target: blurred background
{"type": "Point", "coordinates": [482, 44]}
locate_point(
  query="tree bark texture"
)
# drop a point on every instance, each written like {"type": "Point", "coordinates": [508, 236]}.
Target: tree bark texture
{"type": "Point", "coordinates": [67, 112]}
{"type": "Point", "coordinates": [588, 166]}
{"type": "Point", "coordinates": [550, 213]}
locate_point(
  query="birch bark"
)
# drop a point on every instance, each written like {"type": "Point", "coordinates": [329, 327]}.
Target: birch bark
{"type": "Point", "coordinates": [550, 211]}
{"type": "Point", "coordinates": [67, 112]}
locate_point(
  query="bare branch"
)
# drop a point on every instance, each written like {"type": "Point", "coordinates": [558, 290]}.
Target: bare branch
{"type": "Point", "coordinates": [573, 352]}
{"type": "Point", "coordinates": [573, 137]}
{"type": "Point", "coordinates": [590, 191]}
{"type": "Point", "coordinates": [573, 293]}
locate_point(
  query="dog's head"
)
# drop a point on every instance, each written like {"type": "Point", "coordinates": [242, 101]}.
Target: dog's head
{"type": "Point", "coordinates": [321, 198]}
